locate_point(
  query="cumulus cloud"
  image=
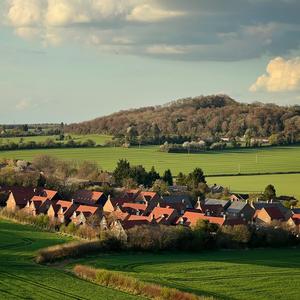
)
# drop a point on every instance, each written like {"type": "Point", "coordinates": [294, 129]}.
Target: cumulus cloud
{"type": "Point", "coordinates": [190, 30]}
{"type": "Point", "coordinates": [281, 75]}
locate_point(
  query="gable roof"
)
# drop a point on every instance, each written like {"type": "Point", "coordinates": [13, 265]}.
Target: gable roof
{"type": "Point", "coordinates": [236, 206]}
{"type": "Point", "coordinates": [191, 218]}
{"type": "Point", "coordinates": [161, 214]}
{"type": "Point", "coordinates": [87, 197]}
{"type": "Point", "coordinates": [274, 213]}
{"type": "Point", "coordinates": [223, 203]}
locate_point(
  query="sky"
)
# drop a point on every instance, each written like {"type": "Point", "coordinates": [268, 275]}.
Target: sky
{"type": "Point", "coordinates": [74, 60]}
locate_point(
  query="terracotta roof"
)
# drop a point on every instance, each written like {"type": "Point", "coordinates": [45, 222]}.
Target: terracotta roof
{"type": "Point", "coordinates": [162, 213]}
{"type": "Point", "coordinates": [87, 208]}
{"type": "Point", "coordinates": [191, 218]}
{"type": "Point", "coordinates": [86, 196]}
{"type": "Point", "coordinates": [135, 206]}
{"type": "Point", "coordinates": [134, 220]}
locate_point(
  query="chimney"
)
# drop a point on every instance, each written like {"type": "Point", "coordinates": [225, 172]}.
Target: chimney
{"type": "Point", "coordinates": [224, 217]}
{"type": "Point", "coordinates": [72, 200]}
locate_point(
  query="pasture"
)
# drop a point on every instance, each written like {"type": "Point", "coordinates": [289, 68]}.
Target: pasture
{"type": "Point", "coordinates": [287, 184]}
{"type": "Point", "coordinates": [237, 274]}
{"type": "Point", "coordinates": [275, 159]}
{"type": "Point", "coordinates": [21, 278]}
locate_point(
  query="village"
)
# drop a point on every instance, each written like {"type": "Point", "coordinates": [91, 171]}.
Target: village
{"type": "Point", "coordinates": [135, 207]}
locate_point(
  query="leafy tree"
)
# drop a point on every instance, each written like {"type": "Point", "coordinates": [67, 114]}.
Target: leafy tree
{"type": "Point", "coordinates": [153, 175]}
{"type": "Point", "coordinates": [270, 192]}
{"type": "Point", "coordinates": [167, 177]}
{"type": "Point", "coordinates": [160, 187]}
{"type": "Point", "coordinates": [195, 177]}
{"type": "Point", "coordinates": [181, 179]}
{"type": "Point", "coordinates": [122, 171]}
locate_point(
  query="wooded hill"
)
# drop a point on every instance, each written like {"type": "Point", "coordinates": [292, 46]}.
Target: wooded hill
{"type": "Point", "coordinates": [199, 117]}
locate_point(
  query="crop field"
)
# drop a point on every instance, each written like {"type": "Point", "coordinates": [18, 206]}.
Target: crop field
{"type": "Point", "coordinates": [98, 138]}
{"type": "Point", "coordinates": [276, 159]}
{"type": "Point", "coordinates": [21, 278]}
{"type": "Point", "coordinates": [285, 184]}
{"type": "Point", "coordinates": [237, 274]}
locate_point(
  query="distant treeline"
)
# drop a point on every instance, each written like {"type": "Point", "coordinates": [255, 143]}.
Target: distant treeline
{"type": "Point", "coordinates": [47, 144]}
{"type": "Point", "coordinates": [205, 118]}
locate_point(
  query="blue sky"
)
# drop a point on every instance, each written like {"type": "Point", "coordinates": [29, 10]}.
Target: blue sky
{"type": "Point", "coordinates": [73, 60]}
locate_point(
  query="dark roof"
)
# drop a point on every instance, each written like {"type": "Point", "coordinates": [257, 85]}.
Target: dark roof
{"type": "Point", "coordinates": [176, 199]}
{"type": "Point", "coordinates": [274, 213]}
{"type": "Point", "coordinates": [223, 203]}
{"type": "Point", "coordinates": [236, 207]}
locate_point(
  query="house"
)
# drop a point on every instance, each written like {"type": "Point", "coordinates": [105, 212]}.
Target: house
{"type": "Point", "coordinates": [112, 203]}
{"type": "Point", "coordinates": [134, 220]}
{"type": "Point", "coordinates": [150, 199]}
{"type": "Point", "coordinates": [83, 212]}
{"type": "Point", "coordinates": [117, 229]}
{"type": "Point", "coordinates": [179, 202]}
{"type": "Point", "coordinates": [89, 197]}
{"type": "Point", "coordinates": [37, 205]}
{"type": "Point", "coordinates": [164, 215]}
{"type": "Point", "coordinates": [294, 222]}
{"type": "Point", "coordinates": [224, 203]}
{"type": "Point", "coordinates": [190, 219]}
{"type": "Point", "coordinates": [62, 210]}
{"type": "Point", "coordinates": [134, 208]}
{"type": "Point", "coordinates": [215, 210]}
{"type": "Point", "coordinates": [240, 209]}
{"type": "Point", "coordinates": [278, 205]}
{"type": "Point", "coordinates": [239, 197]}
{"type": "Point", "coordinates": [130, 194]}
{"type": "Point", "coordinates": [268, 214]}
{"type": "Point", "coordinates": [216, 189]}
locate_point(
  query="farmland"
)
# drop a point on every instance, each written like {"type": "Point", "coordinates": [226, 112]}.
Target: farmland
{"type": "Point", "coordinates": [21, 278]}
{"type": "Point", "coordinates": [287, 184]}
{"type": "Point", "coordinates": [236, 274]}
{"type": "Point", "coordinates": [276, 159]}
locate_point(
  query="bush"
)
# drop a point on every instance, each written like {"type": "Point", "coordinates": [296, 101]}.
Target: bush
{"type": "Point", "coordinates": [76, 249]}
{"type": "Point", "coordinates": [132, 285]}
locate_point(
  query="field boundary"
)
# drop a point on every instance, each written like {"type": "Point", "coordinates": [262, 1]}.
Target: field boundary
{"type": "Point", "coordinates": [250, 174]}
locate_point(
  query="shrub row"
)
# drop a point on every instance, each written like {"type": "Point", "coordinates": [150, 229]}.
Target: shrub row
{"type": "Point", "coordinates": [76, 249]}
{"type": "Point", "coordinates": [132, 285]}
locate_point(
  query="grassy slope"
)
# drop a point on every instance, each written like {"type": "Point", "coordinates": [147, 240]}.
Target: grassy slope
{"type": "Point", "coordinates": [287, 184]}
{"type": "Point", "coordinates": [239, 274]}
{"type": "Point", "coordinates": [225, 162]}
{"type": "Point", "coordinates": [21, 278]}
{"type": "Point", "coordinates": [98, 138]}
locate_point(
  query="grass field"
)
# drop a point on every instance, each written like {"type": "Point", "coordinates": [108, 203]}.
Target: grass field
{"type": "Point", "coordinates": [98, 138]}
{"type": "Point", "coordinates": [21, 278]}
{"type": "Point", "coordinates": [275, 159]}
{"type": "Point", "coordinates": [238, 274]}
{"type": "Point", "coordinates": [287, 184]}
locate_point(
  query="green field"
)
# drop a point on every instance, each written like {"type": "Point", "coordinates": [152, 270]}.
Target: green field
{"type": "Point", "coordinates": [277, 159]}
{"type": "Point", "coordinates": [99, 139]}
{"type": "Point", "coordinates": [287, 184]}
{"type": "Point", "coordinates": [21, 278]}
{"type": "Point", "coordinates": [237, 274]}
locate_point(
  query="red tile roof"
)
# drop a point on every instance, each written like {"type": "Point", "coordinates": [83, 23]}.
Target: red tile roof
{"type": "Point", "coordinates": [135, 206]}
{"type": "Point", "coordinates": [191, 218]}
{"type": "Point", "coordinates": [86, 196]}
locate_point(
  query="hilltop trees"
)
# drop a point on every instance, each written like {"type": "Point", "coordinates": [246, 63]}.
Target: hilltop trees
{"type": "Point", "coordinates": [205, 118]}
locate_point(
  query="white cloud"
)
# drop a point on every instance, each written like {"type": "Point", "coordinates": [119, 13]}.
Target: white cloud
{"type": "Point", "coordinates": [23, 104]}
{"type": "Point", "coordinates": [27, 33]}
{"type": "Point", "coordinates": [165, 49]}
{"type": "Point", "coordinates": [148, 13]}
{"type": "Point", "coordinates": [22, 13]}
{"type": "Point", "coordinates": [282, 75]}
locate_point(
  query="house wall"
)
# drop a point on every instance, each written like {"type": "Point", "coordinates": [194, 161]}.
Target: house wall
{"type": "Point", "coordinates": [11, 203]}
